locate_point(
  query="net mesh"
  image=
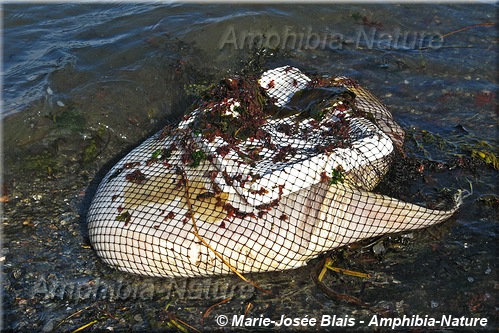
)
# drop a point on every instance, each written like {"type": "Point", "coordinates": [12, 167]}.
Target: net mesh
{"type": "Point", "coordinates": [264, 174]}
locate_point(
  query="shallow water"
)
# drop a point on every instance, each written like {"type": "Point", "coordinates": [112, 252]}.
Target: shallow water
{"type": "Point", "coordinates": [76, 101]}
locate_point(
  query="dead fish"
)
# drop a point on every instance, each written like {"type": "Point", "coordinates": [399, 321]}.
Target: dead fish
{"type": "Point", "coordinates": [265, 190]}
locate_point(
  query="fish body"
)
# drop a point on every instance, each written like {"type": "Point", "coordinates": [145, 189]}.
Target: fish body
{"type": "Point", "coordinates": [270, 172]}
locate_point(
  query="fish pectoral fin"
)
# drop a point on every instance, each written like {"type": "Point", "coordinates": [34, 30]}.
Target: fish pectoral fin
{"type": "Point", "coordinates": [366, 214]}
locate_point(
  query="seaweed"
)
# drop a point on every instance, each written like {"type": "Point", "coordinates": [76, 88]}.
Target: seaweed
{"type": "Point", "coordinates": [486, 156]}
{"type": "Point", "coordinates": [197, 157]}
{"type": "Point", "coordinates": [41, 163]}
{"type": "Point", "coordinates": [124, 217]}
{"type": "Point", "coordinates": [137, 177]}
{"type": "Point", "coordinates": [458, 146]}
{"type": "Point", "coordinates": [337, 175]}
{"type": "Point", "coordinates": [224, 117]}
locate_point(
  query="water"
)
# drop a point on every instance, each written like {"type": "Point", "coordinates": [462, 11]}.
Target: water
{"type": "Point", "coordinates": [84, 84]}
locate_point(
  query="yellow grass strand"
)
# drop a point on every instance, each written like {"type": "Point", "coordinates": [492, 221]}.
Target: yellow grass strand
{"type": "Point", "coordinates": [196, 233]}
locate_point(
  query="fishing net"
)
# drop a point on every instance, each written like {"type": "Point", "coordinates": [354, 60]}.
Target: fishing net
{"type": "Point", "coordinates": [263, 174]}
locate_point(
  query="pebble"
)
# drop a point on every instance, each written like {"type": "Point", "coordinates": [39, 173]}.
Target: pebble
{"type": "Point", "coordinates": [16, 273]}
{"type": "Point", "coordinates": [379, 248]}
{"type": "Point", "coordinates": [49, 326]}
